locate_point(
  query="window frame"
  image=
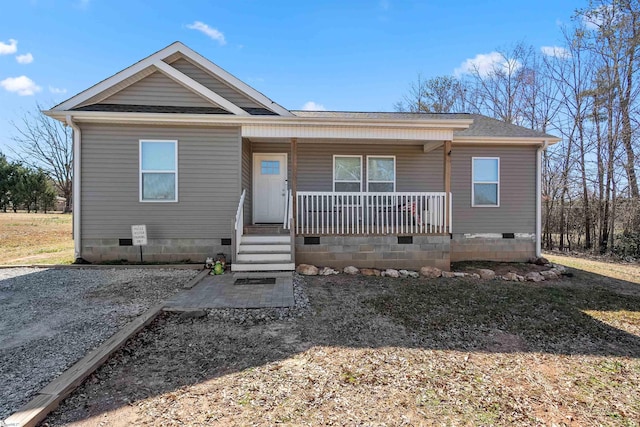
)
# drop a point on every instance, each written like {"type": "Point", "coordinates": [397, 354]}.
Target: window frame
{"type": "Point", "coordinates": [395, 176]}
{"type": "Point", "coordinates": [335, 156]}
{"type": "Point", "coordinates": [474, 182]}
{"type": "Point", "coordinates": [141, 171]}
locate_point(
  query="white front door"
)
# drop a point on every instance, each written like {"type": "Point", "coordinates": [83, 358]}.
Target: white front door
{"type": "Point", "coordinates": [269, 187]}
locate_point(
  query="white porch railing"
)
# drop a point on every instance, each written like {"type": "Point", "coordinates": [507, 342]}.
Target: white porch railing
{"type": "Point", "coordinates": [239, 224]}
{"type": "Point", "coordinates": [372, 213]}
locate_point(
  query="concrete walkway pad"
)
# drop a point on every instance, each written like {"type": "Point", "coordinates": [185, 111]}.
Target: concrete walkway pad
{"type": "Point", "coordinates": [223, 292]}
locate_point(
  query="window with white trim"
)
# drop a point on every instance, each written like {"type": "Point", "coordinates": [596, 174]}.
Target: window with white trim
{"type": "Point", "coordinates": [381, 173]}
{"type": "Point", "coordinates": [158, 171]}
{"type": "Point", "coordinates": [485, 186]}
{"type": "Point", "coordinates": [347, 173]}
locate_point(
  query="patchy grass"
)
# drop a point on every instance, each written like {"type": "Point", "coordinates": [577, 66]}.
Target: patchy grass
{"type": "Point", "coordinates": [35, 238]}
{"type": "Point", "coordinates": [615, 270]}
{"type": "Point", "coordinates": [381, 351]}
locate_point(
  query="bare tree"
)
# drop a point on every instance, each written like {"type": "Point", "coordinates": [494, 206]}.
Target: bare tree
{"type": "Point", "coordinates": [45, 143]}
{"type": "Point", "coordinates": [442, 94]}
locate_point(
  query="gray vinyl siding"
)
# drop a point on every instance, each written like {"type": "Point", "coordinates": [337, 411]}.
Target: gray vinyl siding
{"type": "Point", "coordinates": [247, 180]}
{"type": "Point", "coordinates": [158, 89]}
{"type": "Point", "coordinates": [208, 182]}
{"type": "Point", "coordinates": [216, 85]}
{"type": "Point", "coordinates": [415, 170]}
{"type": "Point", "coordinates": [516, 213]}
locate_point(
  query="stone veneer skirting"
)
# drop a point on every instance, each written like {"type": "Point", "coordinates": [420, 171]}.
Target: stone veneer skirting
{"type": "Point", "coordinates": [375, 252]}
{"type": "Point", "coordinates": [478, 247]}
{"type": "Point", "coordinates": [157, 250]}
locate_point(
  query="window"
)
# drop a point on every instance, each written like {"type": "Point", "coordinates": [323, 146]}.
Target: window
{"type": "Point", "coordinates": [381, 173]}
{"type": "Point", "coordinates": [270, 167]}
{"type": "Point", "coordinates": [485, 188]}
{"type": "Point", "coordinates": [347, 173]}
{"type": "Point", "coordinates": [158, 171]}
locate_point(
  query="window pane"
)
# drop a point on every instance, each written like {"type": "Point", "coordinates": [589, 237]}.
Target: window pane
{"type": "Point", "coordinates": [347, 186]}
{"type": "Point", "coordinates": [485, 170]}
{"type": "Point", "coordinates": [348, 169]}
{"type": "Point", "coordinates": [158, 186]}
{"type": "Point", "coordinates": [381, 169]}
{"type": "Point", "coordinates": [381, 186]}
{"type": "Point", "coordinates": [159, 156]}
{"type": "Point", "coordinates": [485, 194]}
{"type": "Point", "coordinates": [270, 167]}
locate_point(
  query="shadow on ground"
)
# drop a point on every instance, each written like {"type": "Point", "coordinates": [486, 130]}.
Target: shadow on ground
{"type": "Point", "coordinates": [466, 317]}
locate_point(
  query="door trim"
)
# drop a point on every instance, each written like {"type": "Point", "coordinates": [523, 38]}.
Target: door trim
{"type": "Point", "coordinates": [253, 180]}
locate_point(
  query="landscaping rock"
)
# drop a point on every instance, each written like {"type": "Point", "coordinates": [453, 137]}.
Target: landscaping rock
{"type": "Point", "coordinates": [474, 275]}
{"type": "Point", "coordinates": [351, 270]}
{"type": "Point", "coordinates": [370, 272]}
{"type": "Point", "coordinates": [560, 268]}
{"type": "Point", "coordinates": [327, 271]}
{"type": "Point", "coordinates": [487, 274]}
{"type": "Point", "coordinates": [549, 274]}
{"type": "Point", "coordinates": [541, 261]}
{"type": "Point", "coordinates": [533, 276]}
{"type": "Point", "coordinates": [448, 274]}
{"type": "Point", "coordinates": [520, 278]}
{"type": "Point", "coordinates": [512, 277]}
{"type": "Point", "coordinates": [390, 272]}
{"type": "Point", "coordinates": [459, 274]}
{"type": "Point", "coordinates": [409, 273]}
{"type": "Point", "coordinates": [307, 270]}
{"type": "Point", "coordinates": [430, 272]}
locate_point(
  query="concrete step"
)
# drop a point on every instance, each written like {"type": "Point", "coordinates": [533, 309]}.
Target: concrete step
{"type": "Point", "coordinates": [259, 238]}
{"type": "Point", "coordinates": [264, 247]}
{"type": "Point", "coordinates": [274, 266]}
{"type": "Point", "coordinates": [264, 257]}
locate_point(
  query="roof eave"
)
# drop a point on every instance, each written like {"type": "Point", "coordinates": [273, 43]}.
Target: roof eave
{"type": "Point", "coordinates": [120, 117]}
{"type": "Point", "coordinates": [505, 140]}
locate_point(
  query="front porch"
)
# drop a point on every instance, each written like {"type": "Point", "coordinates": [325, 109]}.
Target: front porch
{"type": "Point", "coordinates": [357, 202]}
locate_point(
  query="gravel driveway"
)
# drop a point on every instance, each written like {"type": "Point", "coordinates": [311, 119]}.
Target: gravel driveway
{"type": "Point", "coordinates": [50, 318]}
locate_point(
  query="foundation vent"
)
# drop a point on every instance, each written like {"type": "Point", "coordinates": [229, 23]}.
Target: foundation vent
{"type": "Point", "coordinates": [405, 240]}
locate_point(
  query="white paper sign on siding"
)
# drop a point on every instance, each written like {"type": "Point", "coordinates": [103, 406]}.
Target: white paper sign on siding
{"type": "Point", "coordinates": [139, 235]}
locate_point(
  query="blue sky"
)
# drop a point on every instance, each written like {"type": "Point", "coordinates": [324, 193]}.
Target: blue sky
{"type": "Point", "coordinates": [338, 55]}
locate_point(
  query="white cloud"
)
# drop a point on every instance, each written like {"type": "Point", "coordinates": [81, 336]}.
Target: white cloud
{"type": "Point", "coordinates": [27, 58]}
{"type": "Point", "coordinates": [313, 106]}
{"type": "Point", "coordinates": [486, 63]}
{"type": "Point", "coordinates": [22, 85]}
{"type": "Point", "coordinates": [10, 48]}
{"type": "Point", "coordinates": [556, 51]}
{"type": "Point", "coordinates": [57, 90]}
{"type": "Point", "coordinates": [213, 33]}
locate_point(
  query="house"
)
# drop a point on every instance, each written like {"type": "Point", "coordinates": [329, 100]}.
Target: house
{"type": "Point", "coordinates": [205, 161]}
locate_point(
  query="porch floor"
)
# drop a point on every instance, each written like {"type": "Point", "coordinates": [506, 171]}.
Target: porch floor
{"type": "Point", "coordinates": [223, 292]}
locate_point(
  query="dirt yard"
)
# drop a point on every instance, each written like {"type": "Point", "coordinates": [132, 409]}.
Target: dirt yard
{"type": "Point", "coordinates": [29, 238]}
{"type": "Point", "coordinates": [382, 351]}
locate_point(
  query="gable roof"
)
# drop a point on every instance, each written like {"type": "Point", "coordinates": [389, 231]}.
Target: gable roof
{"type": "Point", "coordinates": [157, 63]}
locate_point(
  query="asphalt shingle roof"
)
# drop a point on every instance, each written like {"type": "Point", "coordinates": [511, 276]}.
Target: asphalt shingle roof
{"type": "Point", "coordinates": [130, 108]}
{"type": "Point", "coordinates": [482, 126]}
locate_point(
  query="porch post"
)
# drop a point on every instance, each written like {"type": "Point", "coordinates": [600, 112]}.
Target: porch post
{"type": "Point", "coordinates": [447, 183]}
{"type": "Point", "coordinates": [294, 179]}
